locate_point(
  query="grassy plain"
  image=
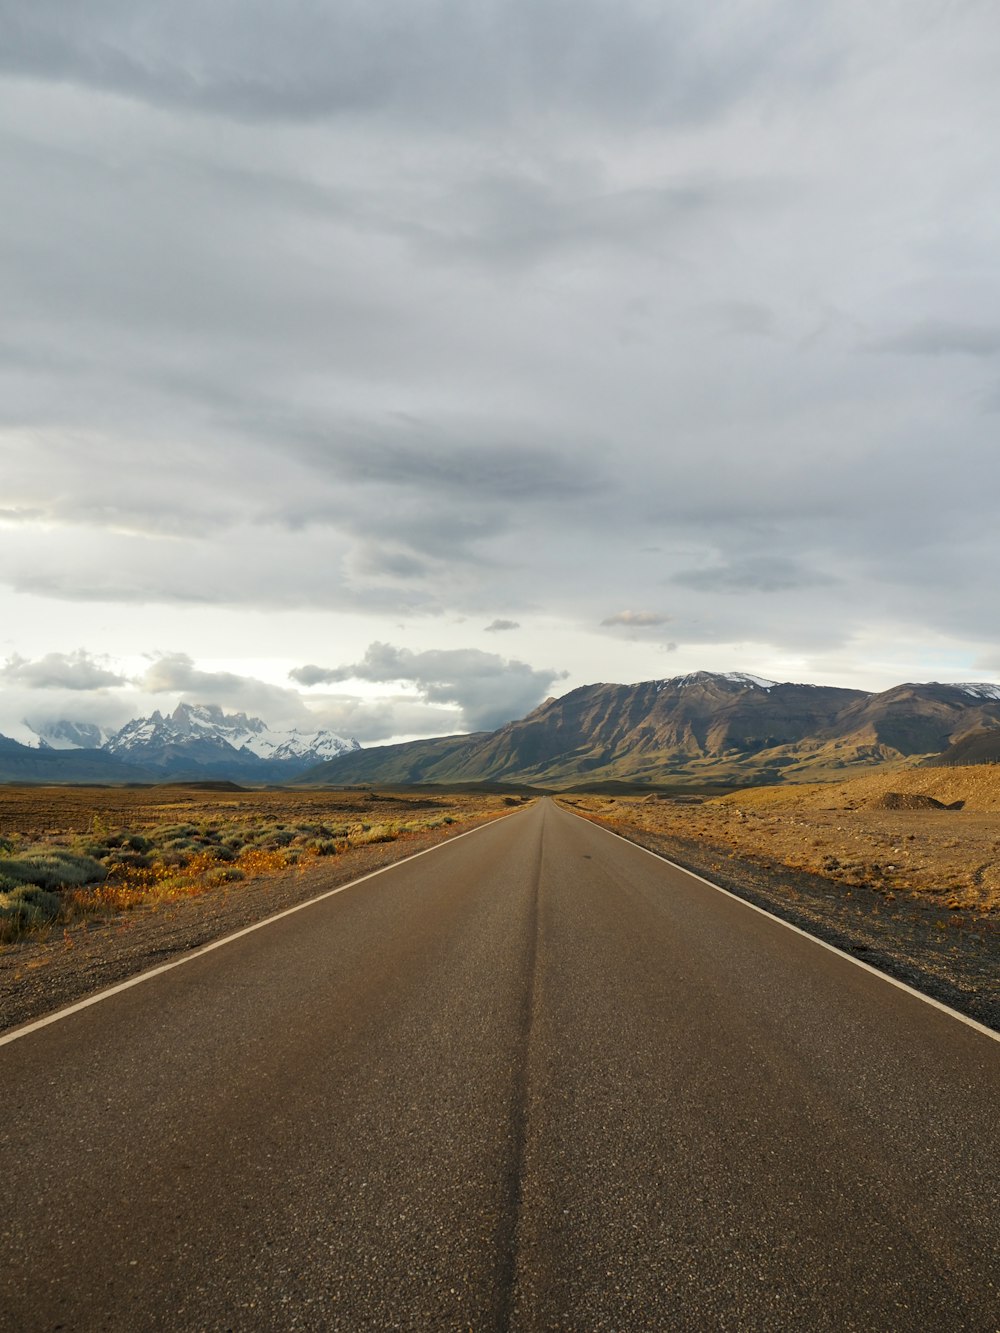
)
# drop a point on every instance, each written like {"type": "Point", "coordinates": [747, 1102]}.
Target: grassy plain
{"type": "Point", "coordinates": [70, 853]}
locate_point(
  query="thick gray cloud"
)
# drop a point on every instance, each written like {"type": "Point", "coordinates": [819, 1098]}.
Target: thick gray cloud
{"type": "Point", "coordinates": [500, 626]}
{"type": "Point", "coordinates": [60, 671]}
{"type": "Point", "coordinates": [494, 58]}
{"type": "Point", "coordinates": [526, 220]}
{"type": "Point", "coordinates": [941, 338]}
{"type": "Point", "coordinates": [636, 619]}
{"type": "Point", "coordinates": [391, 315]}
{"type": "Point", "coordinates": [419, 456]}
{"type": "Point", "coordinates": [488, 688]}
{"type": "Point", "coordinates": [760, 573]}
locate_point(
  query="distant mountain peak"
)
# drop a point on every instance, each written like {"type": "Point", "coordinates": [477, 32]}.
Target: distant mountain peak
{"type": "Point", "coordinates": [742, 678]}
{"type": "Point", "coordinates": [66, 735]}
{"type": "Point", "coordinates": [745, 678]}
{"type": "Point", "coordinates": [977, 689]}
{"type": "Point", "coordinates": [199, 735]}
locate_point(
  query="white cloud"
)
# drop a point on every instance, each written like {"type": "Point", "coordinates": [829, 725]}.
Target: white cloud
{"type": "Point", "coordinates": [60, 671]}
{"type": "Point", "coordinates": [177, 675]}
{"type": "Point", "coordinates": [391, 718]}
{"type": "Point", "coordinates": [488, 688]}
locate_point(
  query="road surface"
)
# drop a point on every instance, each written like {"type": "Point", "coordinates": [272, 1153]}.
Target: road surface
{"type": "Point", "coordinates": [535, 1079]}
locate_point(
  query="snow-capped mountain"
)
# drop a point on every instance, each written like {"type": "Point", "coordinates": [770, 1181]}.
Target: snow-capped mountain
{"type": "Point", "coordinates": [742, 679]}
{"type": "Point", "coordinates": [202, 735]}
{"type": "Point", "coordinates": [66, 735]}
{"type": "Point", "coordinates": [978, 689]}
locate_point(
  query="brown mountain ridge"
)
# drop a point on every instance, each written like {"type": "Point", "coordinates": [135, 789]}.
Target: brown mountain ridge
{"type": "Point", "coordinates": [701, 727]}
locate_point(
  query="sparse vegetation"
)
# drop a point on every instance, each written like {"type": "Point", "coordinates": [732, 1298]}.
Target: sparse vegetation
{"type": "Point", "coordinates": [25, 907]}
{"type": "Point", "coordinates": [70, 853]}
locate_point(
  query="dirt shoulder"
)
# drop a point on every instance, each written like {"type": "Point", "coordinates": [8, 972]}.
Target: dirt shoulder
{"type": "Point", "coordinates": [915, 937]}
{"type": "Point", "coordinates": [41, 975]}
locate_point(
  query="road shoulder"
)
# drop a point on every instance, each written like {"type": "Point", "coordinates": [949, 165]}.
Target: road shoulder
{"type": "Point", "coordinates": [913, 942]}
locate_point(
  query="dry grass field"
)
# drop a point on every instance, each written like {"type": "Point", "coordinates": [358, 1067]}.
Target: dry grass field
{"type": "Point", "coordinates": [855, 833]}
{"type": "Point", "coordinates": [68, 853]}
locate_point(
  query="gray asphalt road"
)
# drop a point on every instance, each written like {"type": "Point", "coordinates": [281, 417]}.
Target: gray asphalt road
{"type": "Point", "coordinates": [536, 1080]}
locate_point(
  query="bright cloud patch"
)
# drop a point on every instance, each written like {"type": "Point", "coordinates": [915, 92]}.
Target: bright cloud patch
{"type": "Point", "coordinates": [60, 671]}
{"type": "Point", "coordinates": [488, 688]}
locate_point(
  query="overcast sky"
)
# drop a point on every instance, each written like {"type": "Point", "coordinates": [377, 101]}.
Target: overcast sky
{"type": "Point", "coordinates": [399, 364]}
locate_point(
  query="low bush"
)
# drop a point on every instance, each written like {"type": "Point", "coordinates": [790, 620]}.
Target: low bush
{"type": "Point", "coordinates": [168, 831]}
{"type": "Point", "coordinates": [225, 875]}
{"type": "Point", "coordinates": [123, 857]}
{"type": "Point", "coordinates": [54, 868]}
{"type": "Point", "coordinates": [26, 907]}
{"type": "Point", "coordinates": [377, 833]}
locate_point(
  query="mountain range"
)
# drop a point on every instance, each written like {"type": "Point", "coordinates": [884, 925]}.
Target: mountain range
{"type": "Point", "coordinates": [195, 741]}
{"type": "Point", "coordinates": [702, 727]}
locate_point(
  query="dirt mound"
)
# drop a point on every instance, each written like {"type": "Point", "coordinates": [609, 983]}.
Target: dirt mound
{"type": "Point", "coordinates": [976, 787]}
{"type": "Point", "coordinates": [906, 800]}
{"type": "Point", "coordinates": [208, 784]}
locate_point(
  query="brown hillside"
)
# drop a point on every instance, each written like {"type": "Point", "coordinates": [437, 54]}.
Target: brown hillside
{"type": "Point", "coordinates": [699, 728]}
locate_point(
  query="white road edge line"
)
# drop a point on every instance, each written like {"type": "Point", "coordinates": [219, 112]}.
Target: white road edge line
{"type": "Point", "coordinates": [26, 1029]}
{"type": "Point", "coordinates": [867, 967]}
